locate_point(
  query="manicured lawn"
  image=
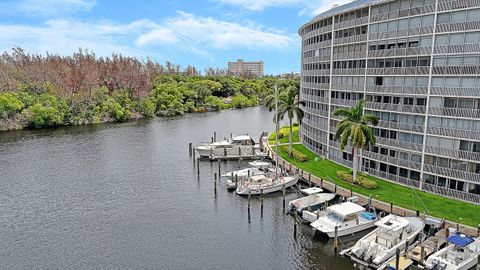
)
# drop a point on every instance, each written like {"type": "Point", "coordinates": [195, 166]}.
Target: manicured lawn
{"type": "Point", "coordinates": [286, 134]}
{"type": "Point", "coordinates": [438, 206]}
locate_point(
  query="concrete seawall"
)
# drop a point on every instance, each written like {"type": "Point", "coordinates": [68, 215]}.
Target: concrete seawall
{"type": "Point", "coordinates": [343, 192]}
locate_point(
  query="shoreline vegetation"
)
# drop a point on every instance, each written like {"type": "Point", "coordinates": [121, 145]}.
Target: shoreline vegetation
{"type": "Point", "coordinates": [406, 197]}
{"type": "Point", "coordinates": [49, 91]}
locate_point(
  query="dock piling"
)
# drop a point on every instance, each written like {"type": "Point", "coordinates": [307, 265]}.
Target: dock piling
{"type": "Point", "coordinates": [214, 136]}
{"type": "Point", "coordinates": [478, 230]}
{"type": "Point", "coordinates": [212, 139]}
{"type": "Point", "coordinates": [193, 154]}
{"type": "Point", "coordinates": [283, 191]}
{"type": "Point", "coordinates": [261, 204]}
{"type": "Point", "coordinates": [198, 168]}
{"type": "Point", "coordinates": [190, 149]}
{"type": "Point", "coordinates": [219, 170]}
{"type": "Point", "coordinates": [215, 185]}
{"type": "Point", "coordinates": [236, 179]}
{"type": "Point", "coordinates": [422, 254]}
{"type": "Point", "coordinates": [391, 208]}
{"type": "Point", "coordinates": [310, 179]}
{"type": "Point", "coordinates": [397, 259]}
{"type": "Point", "coordinates": [295, 226]}
{"type": "Point", "coordinates": [335, 240]}
{"type": "Point", "coordinates": [249, 197]}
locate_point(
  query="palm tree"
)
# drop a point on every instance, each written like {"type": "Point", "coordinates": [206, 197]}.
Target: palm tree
{"type": "Point", "coordinates": [354, 127]}
{"type": "Point", "coordinates": [289, 104]}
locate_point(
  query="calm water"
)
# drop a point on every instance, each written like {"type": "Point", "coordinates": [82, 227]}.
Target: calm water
{"type": "Point", "coordinates": [126, 196]}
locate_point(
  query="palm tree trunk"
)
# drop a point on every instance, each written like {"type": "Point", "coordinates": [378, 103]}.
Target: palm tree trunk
{"type": "Point", "coordinates": [290, 138]}
{"type": "Point", "coordinates": [355, 162]}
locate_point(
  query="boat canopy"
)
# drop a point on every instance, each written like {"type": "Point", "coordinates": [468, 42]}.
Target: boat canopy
{"type": "Point", "coordinates": [460, 240]}
{"type": "Point", "coordinates": [346, 209]}
{"type": "Point", "coordinates": [312, 190]}
{"type": "Point", "coordinates": [393, 223]}
{"type": "Point", "coordinates": [242, 138]}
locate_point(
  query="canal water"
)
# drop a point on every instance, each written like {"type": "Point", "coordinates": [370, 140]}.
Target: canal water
{"type": "Point", "coordinates": [126, 196]}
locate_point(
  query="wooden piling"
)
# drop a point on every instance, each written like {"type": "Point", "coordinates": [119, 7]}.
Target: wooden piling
{"type": "Point", "coordinates": [391, 208]}
{"type": "Point", "coordinates": [214, 136]}
{"type": "Point", "coordinates": [190, 149]}
{"type": "Point", "coordinates": [219, 170]}
{"type": "Point", "coordinates": [198, 168]}
{"type": "Point", "coordinates": [284, 201]}
{"type": "Point", "coordinates": [225, 152]}
{"type": "Point", "coordinates": [335, 240]}
{"type": "Point", "coordinates": [310, 179]}
{"type": "Point", "coordinates": [335, 188]}
{"type": "Point", "coordinates": [417, 213]}
{"type": "Point", "coordinates": [458, 227]}
{"type": "Point", "coordinates": [215, 185]}
{"type": "Point", "coordinates": [236, 179]}
{"type": "Point", "coordinates": [193, 154]}
{"type": "Point", "coordinates": [212, 139]}
{"type": "Point", "coordinates": [249, 198]}
{"type": "Point", "coordinates": [397, 259]}
{"type": "Point", "coordinates": [295, 226]}
{"type": "Point", "coordinates": [478, 230]}
{"type": "Point", "coordinates": [261, 204]}
{"type": "Point", "coordinates": [351, 192]}
{"type": "Point", "coordinates": [422, 254]}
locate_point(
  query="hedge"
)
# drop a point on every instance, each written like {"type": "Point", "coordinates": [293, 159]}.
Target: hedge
{"type": "Point", "coordinates": [361, 181]}
{"type": "Point", "coordinates": [296, 154]}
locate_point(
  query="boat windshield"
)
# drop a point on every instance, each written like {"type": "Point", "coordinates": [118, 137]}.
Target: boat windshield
{"type": "Point", "coordinates": [335, 217]}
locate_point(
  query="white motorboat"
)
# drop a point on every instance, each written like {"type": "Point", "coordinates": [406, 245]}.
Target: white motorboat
{"type": "Point", "coordinates": [239, 145]}
{"type": "Point", "coordinates": [311, 202]}
{"type": "Point", "coordinates": [260, 164]}
{"type": "Point", "coordinates": [265, 184]}
{"type": "Point", "coordinates": [243, 173]}
{"type": "Point", "coordinates": [393, 232]}
{"type": "Point", "coordinates": [348, 217]}
{"type": "Point", "coordinates": [461, 254]}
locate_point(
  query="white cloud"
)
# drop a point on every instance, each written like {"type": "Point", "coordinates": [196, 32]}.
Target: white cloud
{"type": "Point", "coordinates": [314, 6]}
{"type": "Point", "coordinates": [45, 8]}
{"type": "Point", "coordinates": [185, 33]}
{"type": "Point", "coordinates": [189, 30]}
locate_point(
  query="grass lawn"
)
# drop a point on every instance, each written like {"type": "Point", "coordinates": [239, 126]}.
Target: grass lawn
{"type": "Point", "coordinates": [285, 131]}
{"type": "Point", "coordinates": [438, 206]}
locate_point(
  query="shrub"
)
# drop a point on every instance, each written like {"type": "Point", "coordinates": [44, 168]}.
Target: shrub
{"type": "Point", "coordinates": [361, 181]}
{"type": "Point", "coordinates": [9, 104]}
{"type": "Point", "coordinates": [296, 154]}
{"type": "Point", "coordinates": [148, 106]}
{"type": "Point", "coordinates": [295, 124]}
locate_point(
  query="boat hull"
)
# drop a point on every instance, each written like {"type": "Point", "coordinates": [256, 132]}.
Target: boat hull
{"type": "Point", "coordinates": [242, 190]}
{"type": "Point", "coordinates": [346, 231]}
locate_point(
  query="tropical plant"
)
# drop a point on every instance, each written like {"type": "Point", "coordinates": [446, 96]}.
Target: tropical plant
{"type": "Point", "coordinates": [289, 104]}
{"type": "Point", "coordinates": [354, 127]}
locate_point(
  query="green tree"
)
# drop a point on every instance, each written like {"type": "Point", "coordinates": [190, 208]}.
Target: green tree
{"type": "Point", "coordinates": [9, 104]}
{"type": "Point", "coordinates": [354, 127]}
{"type": "Point", "coordinates": [289, 104]}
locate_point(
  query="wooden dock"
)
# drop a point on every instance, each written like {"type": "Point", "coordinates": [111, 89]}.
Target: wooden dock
{"type": "Point", "coordinates": [431, 245]}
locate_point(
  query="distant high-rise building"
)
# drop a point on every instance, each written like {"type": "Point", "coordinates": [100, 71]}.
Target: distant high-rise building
{"type": "Point", "coordinates": [417, 65]}
{"type": "Point", "coordinates": [241, 68]}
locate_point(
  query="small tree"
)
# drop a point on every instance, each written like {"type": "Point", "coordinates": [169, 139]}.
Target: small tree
{"type": "Point", "coordinates": [354, 127]}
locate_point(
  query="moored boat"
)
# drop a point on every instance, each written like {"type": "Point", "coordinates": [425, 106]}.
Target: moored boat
{"type": "Point", "coordinates": [392, 233]}
{"type": "Point", "coordinates": [311, 202]}
{"type": "Point", "coordinates": [348, 217]}
{"type": "Point", "coordinates": [461, 254]}
{"type": "Point", "coordinates": [265, 184]}
{"type": "Point", "coordinates": [236, 146]}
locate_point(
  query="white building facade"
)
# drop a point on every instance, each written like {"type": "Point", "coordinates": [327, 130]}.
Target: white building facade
{"type": "Point", "coordinates": [417, 65]}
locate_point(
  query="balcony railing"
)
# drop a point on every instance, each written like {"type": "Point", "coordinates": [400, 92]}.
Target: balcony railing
{"type": "Point", "coordinates": [457, 48]}
{"type": "Point", "coordinates": [395, 107]}
{"type": "Point", "coordinates": [318, 45]}
{"type": "Point", "coordinates": [349, 55]}
{"type": "Point", "coordinates": [455, 91]}
{"type": "Point", "coordinates": [349, 71]}
{"type": "Point", "coordinates": [426, 50]}
{"type": "Point", "coordinates": [318, 31]}
{"type": "Point", "coordinates": [392, 160]}
{"type": "Point", "coordinates": [400, 144]}
{"type": "Point", "coordinates": [401, 126]}
{"type": "Point", "coordinates": [399, 71]}
{"type": "Point", "coordinates": [343, 102]}
{"type": "Point", "coordinates": [455, 154]}
{"type": "Point", "coordinates": [392, 177]}
{"type": "Point", "coordinates": [462, 175]}
{"type": "Point", "coordinates": [456, 70]}
{"type": "Point", "coordinates": [459, 195]}
{"type": "Point", "coordinates": [316, 72]}
{"type": "Point", "coordinates": [313, 98]}
{"type": "Point", "coordinates": [403, 13]}
{"type": "Point", "coordinates": [401, 33]}
{"type": "Point", "coordinates": [324, 86]}
{"type": "Point", "coordinates": [316, 59]}
{"type": "Point", "coordinates": [419, 90]}
{"type": "Point", "coordinates": [455, 112]}
{"type": "Point", "coordinates": [350, 23]}
{"type": "Point", "coordinates": [351, 39]}
{"type": "Point", "coordinates": [347, 87]}
{"type": "Point", "coordinates": [458, 26]}
{"type": "Point", "coordinates": [454, 133]}
{"type": "Point", "coordinates": [315, 111]}
{"type": "Point", "coordinates": [457, 4]}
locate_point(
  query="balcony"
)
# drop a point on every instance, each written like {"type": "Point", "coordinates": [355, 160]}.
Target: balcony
{"type": "Point", "coordinates": [318, 124]}
{"type": "Point", "coordinates": [419, 90]}
{"type": "Point", "coordinates": [351, 39]}
{"type": "Point", "coordinates": [454, 133]}
{"type": "Point", "coordinates": [313, 98]}
{"type": "Point", "coordinates": [324, 86]}
{"type": "Point", "coordinates": [315, 111]}
{"type": "Point", "coordinates": [401, 126]}
{"type": "Point", "coordinates": [395, 107]}
{"type": "Point", "coordinates": [426, 50]}
{"type": "Point", "coordinates": [455, 91]}
{"type": "Point", "coordinates": [462, 175]}
{"type": "Point", "coordinates": [459, 195]}
{"type": "Point", "coordinates": [351, 23]}
{"type": "Point", "coordinates": [403, 13]}
{"type": "Point", "coordinates": [459, 70]}
{"type": "Point", "coordinates": [460, 26]}
{"type": "Point", "coordinates": [454, 112]}
{"type": "Point", "coordinates": [336, 145]}
{"type": "Point", "coordinates": [343, 102]}
{"type": "Point", "coordinates": [321, 30]}
{"type": "Point", "coordinates": [455, 154]}
{"type": "Point", "coordinates": [392, 160]}
{"type": "Point", "coordinates": [348, 87]}
{"type": "Point", "coordinates": [457, 48]}
{"type": "Point", "coordinates": [315, 59]}
{"type": "Point", "coordinates": [349, 55]}
{"type": "Point", "coordinates": [316, 72]}
{"type": "Point", "coordinates": [458, 4]}
{"type": "Point", "coordinates": [349, 71]}
{"type": "Point", "coordinates": [400, 144]}
{"type": "Point", "coordinates": [401, 33]}
{"type": "Point", "coordinates": [424, 70]}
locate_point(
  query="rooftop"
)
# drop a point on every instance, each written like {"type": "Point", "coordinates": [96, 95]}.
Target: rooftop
{"type": "Point", "coordinates": [346, 208]}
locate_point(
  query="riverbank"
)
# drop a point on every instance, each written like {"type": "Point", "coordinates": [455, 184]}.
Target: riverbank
{"type": "Point", "coordinates": [388, 192]}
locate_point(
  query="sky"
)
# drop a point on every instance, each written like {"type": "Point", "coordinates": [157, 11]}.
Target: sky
{"type": "Point", "coordinates": [204, 34]}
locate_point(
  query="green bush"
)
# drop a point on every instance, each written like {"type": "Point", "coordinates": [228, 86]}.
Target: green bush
{"type": "Point", "coordinates": [295, 124]}
{"type": "Point", "coordinates": [148, 106]}
{"type": "Point", "coordinates": [361, 181]}
{"type": "Point", "coordinates": [9, 104]}
{"type": "Point", "coordinates": [296, 154]}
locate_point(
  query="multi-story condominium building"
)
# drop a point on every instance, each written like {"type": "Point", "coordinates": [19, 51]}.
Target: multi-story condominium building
{"type": "Point", "coordinates": [241, 68]}
{"type": "Point", "coordinates": [417, 65]}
